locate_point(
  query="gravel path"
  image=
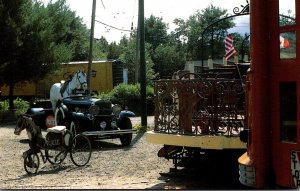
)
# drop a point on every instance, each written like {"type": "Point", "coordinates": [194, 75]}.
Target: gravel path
{"type": "Point", "coordinates": [111, 167]}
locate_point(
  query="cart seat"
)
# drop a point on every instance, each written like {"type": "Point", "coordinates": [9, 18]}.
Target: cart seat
{"type": "Point", "coordinates": [57, 129]}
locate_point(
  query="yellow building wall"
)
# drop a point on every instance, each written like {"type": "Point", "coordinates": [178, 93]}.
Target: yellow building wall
{"type": "Point", "coordinates": [101, 81]}
{"type": "Point", "coordinates": [21, 89]}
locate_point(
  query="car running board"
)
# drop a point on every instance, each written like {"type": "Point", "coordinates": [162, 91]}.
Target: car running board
{"type": "Point", "coordinates": [93, 133]}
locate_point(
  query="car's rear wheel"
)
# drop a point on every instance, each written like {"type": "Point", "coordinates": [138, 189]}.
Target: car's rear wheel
{"type": "Point", "coordinates": [125, 139]}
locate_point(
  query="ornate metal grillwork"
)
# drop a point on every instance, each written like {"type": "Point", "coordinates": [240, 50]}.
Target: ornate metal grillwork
{"type": "Point", "coordinates": [245, 9]}
{"type": "Point", "coordinates": [199, 106]}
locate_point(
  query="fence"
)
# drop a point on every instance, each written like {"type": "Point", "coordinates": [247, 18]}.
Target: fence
{"type": "Point", "coordinates": [199, 106]}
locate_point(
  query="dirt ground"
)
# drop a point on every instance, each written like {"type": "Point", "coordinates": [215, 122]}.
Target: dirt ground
{"type": "Point", "coordinates": [111, 167]}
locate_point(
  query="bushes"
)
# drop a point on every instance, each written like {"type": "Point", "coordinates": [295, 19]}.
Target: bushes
{"type": "Point", "coordinates": [129, 96]}
{"type": "Point", "coordinates": [21, 107]}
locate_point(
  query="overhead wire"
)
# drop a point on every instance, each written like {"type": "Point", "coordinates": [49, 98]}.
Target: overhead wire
{"type": "Point", "coordinates": [116, 28]}
{"type": "Point", "coordinates": [102, 4]}
{"type": "Point", "coordinates": [112, 26]}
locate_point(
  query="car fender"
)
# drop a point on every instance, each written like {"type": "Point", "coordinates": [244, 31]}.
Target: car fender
{"type": "Point", "coordinates": [64, 110]}
{"type": "Point", "coordinates": [126, 113]}
{"type": "Point", "coordinates": [38, 116]}
{"type": "Point", "coordinates": [77, 116]}
{"type": "Point", "coordinates": [32, 111]}
{"type": "Point", "coordinates": [83, 121]}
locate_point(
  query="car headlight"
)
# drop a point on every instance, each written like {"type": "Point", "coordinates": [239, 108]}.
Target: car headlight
{"type": "Point", "coordinates": [77, 109]}
{"type": "Point", "coordinates": [94, 110]}
{"type": "Point", "coordinates": [116, 109]}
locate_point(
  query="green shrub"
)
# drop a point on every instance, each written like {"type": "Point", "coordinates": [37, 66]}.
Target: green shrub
{"type": "Point", "coordinates": [105, 96]}
{"type": "Point", "coordinates": [140, 128]}
{"type": "Point", "coordinates": [129, 96]}
{"type": "Point", "coordinates": [4, 105]}
{"type": "Point", "coordinates": [21, 106]}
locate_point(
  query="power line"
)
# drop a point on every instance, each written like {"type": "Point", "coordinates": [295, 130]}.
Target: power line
{"type": "Point", "coordinates": [113, 26]}
{"type": "Point", "coordinates": [102, 4]}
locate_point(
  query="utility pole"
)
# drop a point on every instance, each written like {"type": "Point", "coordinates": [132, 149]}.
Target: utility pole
{"type": "Point", "coordinates": [91, 48]}
{"type": "Point", "coordinates": [141, 29]}
{"type": "Point", "coordinates": [137, 55]}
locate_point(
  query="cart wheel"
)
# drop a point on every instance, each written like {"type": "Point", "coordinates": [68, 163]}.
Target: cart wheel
{"type": "Point", "coordinates": [126, 138]}
{"type": "Point", "coordinates": [56, 155]}
{"type": "Point", "coordinates": [81, 150]}
{"type": "Point", "coordinates": [75, 128]}
{"type": "Point", "coordinates": [31, 163]}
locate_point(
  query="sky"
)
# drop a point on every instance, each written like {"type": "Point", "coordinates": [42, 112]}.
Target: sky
{"type": "Point", "coordinates": [122, 13]}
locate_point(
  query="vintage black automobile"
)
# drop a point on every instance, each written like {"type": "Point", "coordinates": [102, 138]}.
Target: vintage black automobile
{"type": "Point", "coordinates": [94, 117]}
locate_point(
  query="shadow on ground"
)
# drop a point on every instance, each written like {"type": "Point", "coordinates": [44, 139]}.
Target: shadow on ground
{"type": "Point", "coordinates": [218, 173]}
{"type": "Point", "coordinates": [112, 144]}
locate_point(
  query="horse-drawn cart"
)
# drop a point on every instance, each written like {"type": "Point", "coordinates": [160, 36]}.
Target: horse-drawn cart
{"type": "Point", "coordinates": [56, 145]}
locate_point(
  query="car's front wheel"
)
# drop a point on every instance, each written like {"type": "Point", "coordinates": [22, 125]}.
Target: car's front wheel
{"type": "Point", "coordinates": [125, 124]}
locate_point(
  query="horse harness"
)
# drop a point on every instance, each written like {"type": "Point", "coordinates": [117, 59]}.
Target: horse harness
{"type": "Point", "coordinates": [64, 87]}
{"type": "Point", "coordinates": [66, 83]}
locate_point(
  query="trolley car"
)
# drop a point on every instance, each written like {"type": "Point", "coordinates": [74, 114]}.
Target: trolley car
{"type": "Point", "coordinates": [273, 144]}
{"type": "Point", "coordinates": [205, 113]}
{"type": "Point", "coordinates": [200, 115]}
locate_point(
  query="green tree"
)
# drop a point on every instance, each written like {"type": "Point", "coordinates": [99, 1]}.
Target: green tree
{"type": "Point", "coordinates": [129, 58]}
{"type": "Point", "coordinates": [23, 45]}
{"type": "Point", "coordinates": [168, 60]}
{"type": "Point", "coordinates": [113, 51]}
{"type": "Point", "coordinates": [241, 44]}
{"type": "Point", "coordinates": [67, 31]}
{"type": "Point", "coordinates": [155, 31]}
{"type": "Point", "coordinates": [100, 49]}
{"type": "Point", "coordinates": [35, 39]}
{"type": "Point", "coordinates": [213, 36]}
{"type": "Point", "coordinates": [167, 52]}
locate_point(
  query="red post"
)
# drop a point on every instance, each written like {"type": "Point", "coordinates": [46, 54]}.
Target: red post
{"type": "Point", "coordinates": [259, 94]}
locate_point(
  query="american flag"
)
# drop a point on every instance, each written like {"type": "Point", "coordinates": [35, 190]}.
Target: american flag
{"type": "Point", "coordinates": [229, 48]}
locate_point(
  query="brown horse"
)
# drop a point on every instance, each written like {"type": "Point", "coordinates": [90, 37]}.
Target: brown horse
{"type": "Point", "coordinates": [36, 139]}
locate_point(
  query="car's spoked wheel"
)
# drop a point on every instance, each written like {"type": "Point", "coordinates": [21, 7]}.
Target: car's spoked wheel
{"type": "Point", "coordinates": [81, 150]}
{"type": "Point", "coordinates": [31, 163]}
{"type": "Point", "coordinates": [125, 139]}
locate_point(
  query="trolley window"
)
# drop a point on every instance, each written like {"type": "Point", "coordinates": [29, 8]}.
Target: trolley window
{"type": "Point", "coordinates": [288, 112]}
{"type": "Point", "coordinates": [287, 13]}
{"type": "Point", "coordinates": [287, 45]}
